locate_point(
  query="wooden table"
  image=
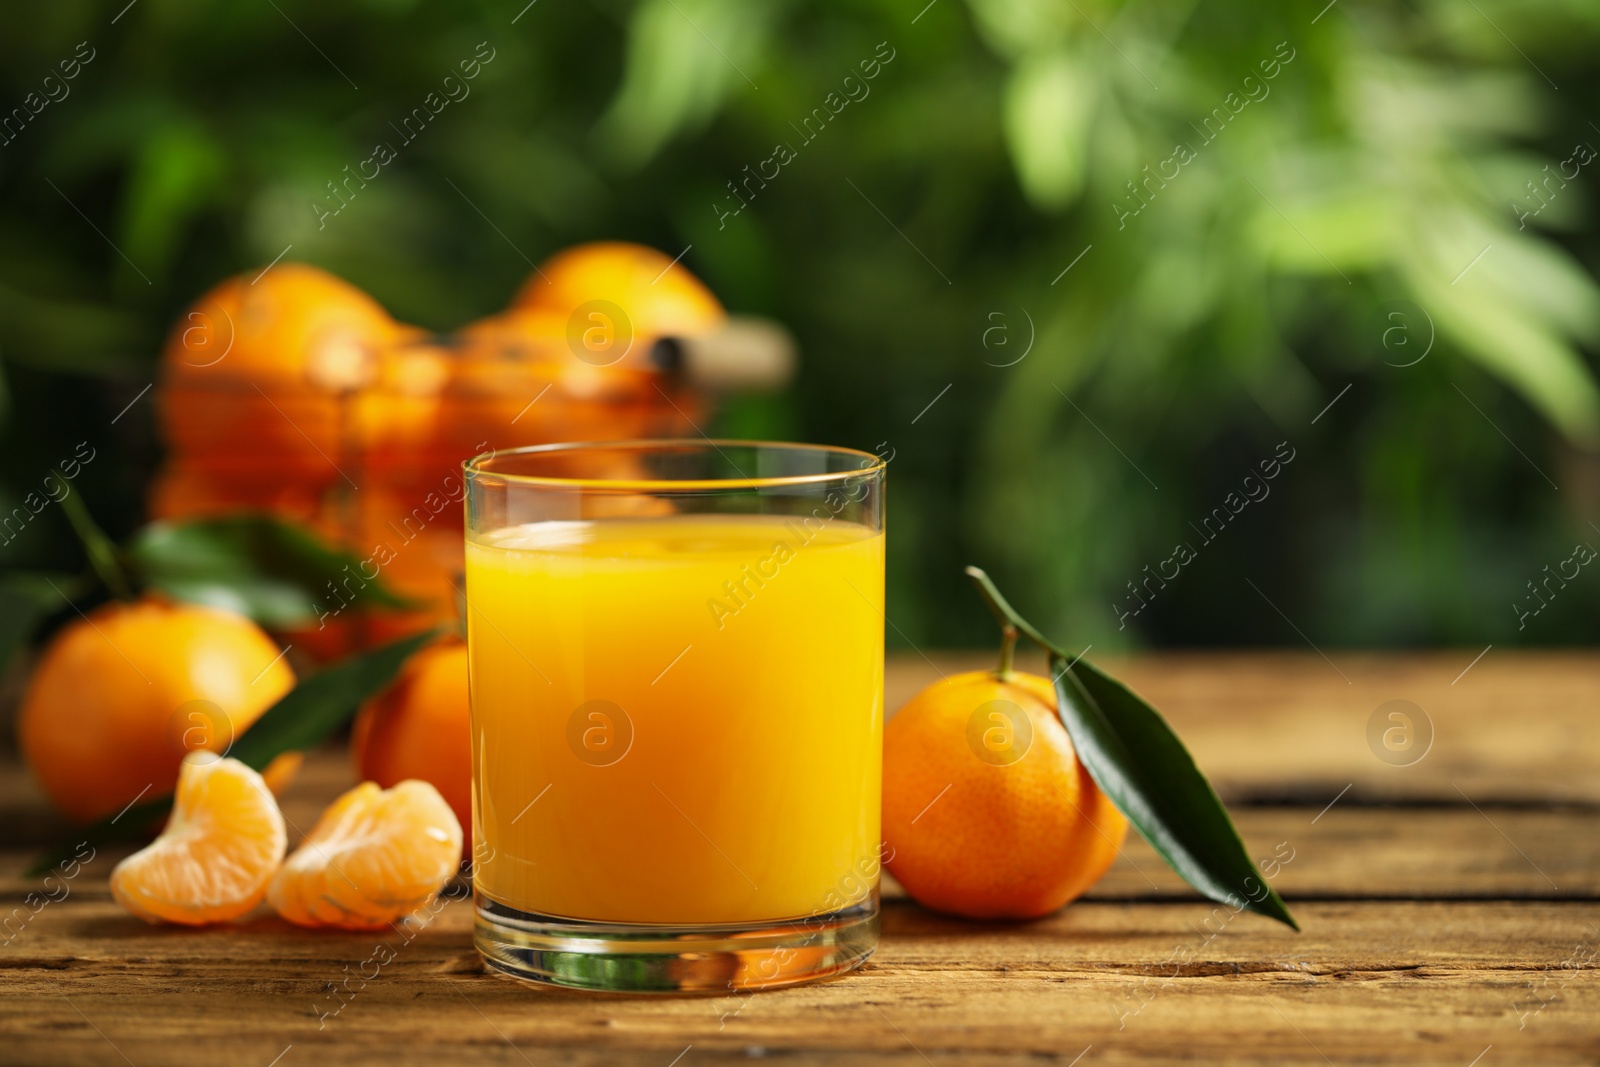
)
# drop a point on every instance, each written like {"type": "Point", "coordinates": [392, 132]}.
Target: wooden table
{"type": "Point", "coordinates": [1451, 913]}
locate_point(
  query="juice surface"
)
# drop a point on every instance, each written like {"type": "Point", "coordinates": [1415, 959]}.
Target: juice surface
{"type": "Point", "coordinates": [677, 720]}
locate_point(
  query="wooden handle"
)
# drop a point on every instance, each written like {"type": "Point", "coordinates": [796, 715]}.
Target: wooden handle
{"type": "Point", "coordinates": [747, 354]}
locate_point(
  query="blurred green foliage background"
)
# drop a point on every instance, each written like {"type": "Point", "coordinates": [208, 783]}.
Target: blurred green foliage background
{"type": "Point", "coordinates": [1320, 235]}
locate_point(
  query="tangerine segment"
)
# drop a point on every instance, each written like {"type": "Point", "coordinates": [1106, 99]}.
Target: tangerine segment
{"type": "Point", "coordinates": [220, 846]}
{"type": "Point", "coordinates": [374, 856]}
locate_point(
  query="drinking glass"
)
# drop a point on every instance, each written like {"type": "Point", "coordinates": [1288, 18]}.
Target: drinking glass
{"type": "Point", "coordinates": [676, 654]}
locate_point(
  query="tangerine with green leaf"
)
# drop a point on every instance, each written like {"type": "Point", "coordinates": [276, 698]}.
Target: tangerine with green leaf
{"type": "Point", "coordinates": [987, 812]}
{"type": "Point", "coordinates": [120, 696]}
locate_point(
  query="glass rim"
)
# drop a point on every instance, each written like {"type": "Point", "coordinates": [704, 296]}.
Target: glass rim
{"type": "Point", "coordinates": [477, 468]}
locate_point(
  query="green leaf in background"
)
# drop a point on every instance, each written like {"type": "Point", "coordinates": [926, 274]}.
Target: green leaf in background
{"type": "Point", "coordinates": [79, 336]}
{"type": "Point", "coordinates": [1399, 142]}
{"type": "Point", "coordinates": [1051, 91]}
{"type": "Point", "coordinates": [1137, 760]}
{"type": "Point", "coordinates": [299, 721]}
{"type": "Point", "coordinates": [276, 573]}
{"type": "Point", "coordinates": [684, 59]}
{"type": "Point", "coordinates": [101, 550]}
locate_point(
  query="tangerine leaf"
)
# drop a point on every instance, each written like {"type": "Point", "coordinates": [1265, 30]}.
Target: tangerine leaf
{"type": "Point", "coordinates": [322, 703]}
{"type": "Point", "coordinates": [103, 555]}
{"type": "Point", "coordinates": [1138, 761]}
{"type": "Point", "coordinates": [277, 573]}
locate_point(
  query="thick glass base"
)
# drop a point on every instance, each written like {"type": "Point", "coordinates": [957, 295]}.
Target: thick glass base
{"type": "Point", "coordinates": [622, 957]}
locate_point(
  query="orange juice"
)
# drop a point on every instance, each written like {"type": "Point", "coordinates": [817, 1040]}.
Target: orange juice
{"type": "Point", "coordinates": [677, 720]}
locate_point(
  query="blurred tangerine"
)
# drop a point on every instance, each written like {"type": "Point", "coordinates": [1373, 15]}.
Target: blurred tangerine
{"type": "Point", "coordinates": [120, 697]}
{"type": "Point", "coordinates": [656, 295]}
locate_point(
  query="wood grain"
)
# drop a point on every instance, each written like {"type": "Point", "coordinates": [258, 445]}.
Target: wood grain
{"type": "Point", "coordinates": [1426, 983]}
{"type": "Point", "coordinates": [1451, 914]}
{"type": "Point", "coordinates": [1519, 728]}
{"type": "Point", "coordinates": [1346, 854]}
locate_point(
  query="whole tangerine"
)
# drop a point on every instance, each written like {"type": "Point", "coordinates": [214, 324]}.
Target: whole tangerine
{"type": "Point", "coordinates": [120, 696]}
{"type": "Point", "coordinates": [256, 381]}
{"type": "Point", "coordinates": [987, 812]}
{"type": "Point", "coordinates": [292, 324]}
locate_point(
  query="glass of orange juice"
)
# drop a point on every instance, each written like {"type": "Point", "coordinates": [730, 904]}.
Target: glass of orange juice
{"type": "Point", "coordinates": [676, 654]}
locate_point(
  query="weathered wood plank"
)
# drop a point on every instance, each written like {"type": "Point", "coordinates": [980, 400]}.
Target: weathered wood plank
{"type": "Point", "coordinates": [1420, 983]}
{"type": "Point", "coordinates": [1346, 853]}
{"type": "Point", "coordinates": [1503, 806]}
{"type": "Point", "coordinates": [1367, 853]}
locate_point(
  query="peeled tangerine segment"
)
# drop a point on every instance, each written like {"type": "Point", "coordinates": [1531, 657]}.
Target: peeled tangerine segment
{"type": "Point", "coordinates": [374, 856]}
{"type": "Point", "coordinates": [213, 861]}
